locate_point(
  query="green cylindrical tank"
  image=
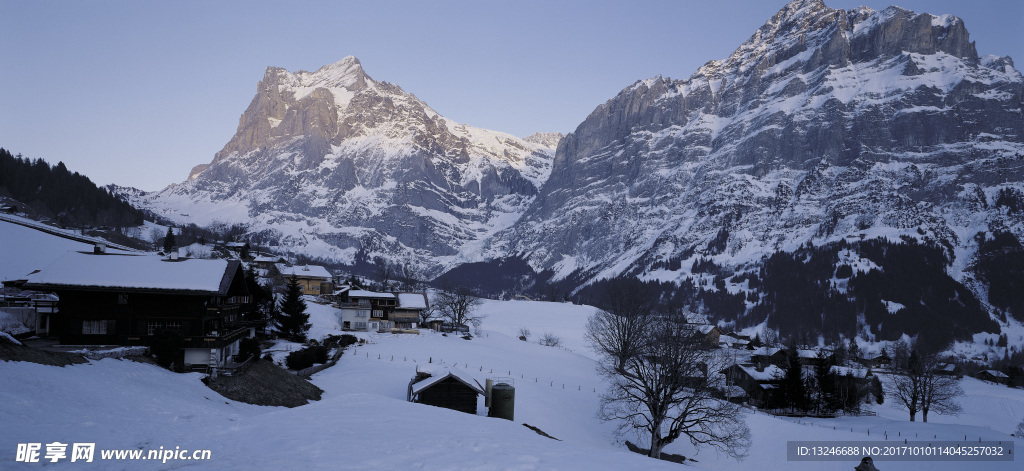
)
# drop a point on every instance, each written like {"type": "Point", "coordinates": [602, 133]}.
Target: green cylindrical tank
{"type": "Point", "coordinates": [503, 401]}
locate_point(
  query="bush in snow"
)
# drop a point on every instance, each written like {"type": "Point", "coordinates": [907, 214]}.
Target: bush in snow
{"type": "Point", "coordinates": [307, 357]}
{"type": "Point", "coordinates": [524, 334]}
{"type": "Point", "coordinates": [1020, 429]}
{"type": "Point", "coordinates": [550, 340]}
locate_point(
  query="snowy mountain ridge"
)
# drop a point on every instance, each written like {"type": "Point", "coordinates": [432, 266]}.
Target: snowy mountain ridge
{"type": "Point", "coordinates": [337, 165]}
{"type": "Point", "coordinates": [825, 124]}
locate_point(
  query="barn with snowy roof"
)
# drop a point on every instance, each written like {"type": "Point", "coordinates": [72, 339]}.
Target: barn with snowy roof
{"type": "Point", "coordinates": [444, 387]}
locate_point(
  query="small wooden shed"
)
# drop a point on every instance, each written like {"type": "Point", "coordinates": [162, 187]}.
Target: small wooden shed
{"type": "Point", "coordinates": [445, 388]}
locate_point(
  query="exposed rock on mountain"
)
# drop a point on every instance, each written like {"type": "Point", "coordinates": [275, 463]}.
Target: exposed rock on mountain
{"type": "Point", "coordinates": [825, 124]}
{"type": "Point", "coordinates": [337, 165]}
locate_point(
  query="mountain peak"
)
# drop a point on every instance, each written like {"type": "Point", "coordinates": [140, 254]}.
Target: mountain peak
{"type": "Point", "coordinates": [347, 73]}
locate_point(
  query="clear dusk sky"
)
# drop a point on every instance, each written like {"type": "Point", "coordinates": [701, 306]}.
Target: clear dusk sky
{"type": "Point", "coordinates": [138, 92]}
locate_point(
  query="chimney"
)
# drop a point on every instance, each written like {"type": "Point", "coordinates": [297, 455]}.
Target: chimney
{"type": "Point", "coordinates": [99, 248]}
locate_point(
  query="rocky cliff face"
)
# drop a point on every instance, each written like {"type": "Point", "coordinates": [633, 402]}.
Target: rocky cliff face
{"type": "Point", "coordinates": [334, 164]}
{"type": "Point", "coordinates": [826, 124]}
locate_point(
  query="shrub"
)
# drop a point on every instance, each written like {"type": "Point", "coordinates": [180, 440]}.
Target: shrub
{"type": "Point", "coordinates": [550, 340]}
{"type": "Point", "coordinates": [248, 348]}
{"type": "Point", "coordinates": [340, 341]}
{"type": "Point", "coordinates": [166, 346]}
{"type": "Point", "coordinates": [307, 357]}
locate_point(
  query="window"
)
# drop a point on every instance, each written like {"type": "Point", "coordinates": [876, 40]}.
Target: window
{"type": "Point", "coordinates": [378, 313]}
{"type": "Point", "coordinates": [97, 327]}
{"type": "Point", "coordinates": [122, 298]}
{"type": "Point", "coordinates": [362, 313]}
{"type": "Point", "coordinates": [152, 327]}
{"type": "Point", "coordinates": [361, 325]}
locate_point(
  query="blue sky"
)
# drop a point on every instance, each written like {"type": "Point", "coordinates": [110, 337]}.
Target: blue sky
{"type": "Point", "coordinates": [136, 93]}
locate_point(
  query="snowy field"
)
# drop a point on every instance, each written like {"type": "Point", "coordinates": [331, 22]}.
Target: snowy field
{"type": "Point", "coordinates": [364, 422]}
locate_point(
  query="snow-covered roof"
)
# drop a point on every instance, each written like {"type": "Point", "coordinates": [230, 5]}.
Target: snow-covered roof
{"type": "Point", "coordinates": [996, 374]}
{"type": "Point", "coordinates": [440, 375]}
{"type": "Point", "coordinates": [704, 328]}
{"type": "Point", "coordinates": [267, 259]}
{"type": "Point", "coordinates": [765, 351]}
{"type": "Point", "coordinates": [770, 373]}
{"type": "Point", "coordinates": [361, 293]}
{"type": "Point", "coordinates": [412, 301]}
{"type": "Point", "coordinates": [134, 272]}
{"type": "Point", "coordinates": [805, 353]}
{"type": "Point", "coordinates": [847, 371]}
{"type": "Point", "coordinates": [305, 271]}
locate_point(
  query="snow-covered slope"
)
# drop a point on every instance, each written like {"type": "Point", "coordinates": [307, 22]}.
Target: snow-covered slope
{"type": "Point", "coordinates": [337, 165]}
{"type": "Point", "coordinates": [825, 124]}
{"type": "Point", "coordinates": [364, 422]}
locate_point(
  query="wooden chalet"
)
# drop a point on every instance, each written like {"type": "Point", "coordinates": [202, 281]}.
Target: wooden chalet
{"type": "Point", "coordinates": [313, 279]}
{"type": "Point", "coordinates": [994, 376]}
{"type": "Point", "coordinates": [446, 388]}
{"type": "Point", "coordinates": [374, 311]}
{"type": "Point", "coordinates": [881, 360]}
{"type": "Point", "coordinates": [127, 299]}
{"type": "Point", "coordinates": [407, 313]}
{"type": "Point", "coordinates": [761, 385]}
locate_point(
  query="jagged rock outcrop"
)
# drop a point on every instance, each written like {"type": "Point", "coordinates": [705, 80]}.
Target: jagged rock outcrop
{"type": "Point", "coordinates": [334, 164]}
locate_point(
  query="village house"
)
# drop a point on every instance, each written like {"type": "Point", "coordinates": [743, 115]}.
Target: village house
{"type": "Point", "coordinates": [373, 311]}
{"type": "Point", "coordinates": [880, 360]}
{"type": "Point", "coordinates": [761, 384]}
{"type": "Point", "coordinates": [313, 279]}
{"type": "Point", "coordinates": [994, 376]}
{"type": "Point", "coordinates": [407, 313]}
{"type": "Point", "coordinates": [128, 299]}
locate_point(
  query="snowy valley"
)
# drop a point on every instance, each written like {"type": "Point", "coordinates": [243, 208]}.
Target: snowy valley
{"type": "Point", "coordinates": [364, 422]}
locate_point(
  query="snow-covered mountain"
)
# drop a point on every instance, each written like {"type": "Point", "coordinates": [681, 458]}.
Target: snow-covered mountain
{"type": "Point", "coordinates": [826, 127]}
{"type": "Point", "coordinates": [337, 165]}
{"type": "Point", "coordinates": [825, 124]}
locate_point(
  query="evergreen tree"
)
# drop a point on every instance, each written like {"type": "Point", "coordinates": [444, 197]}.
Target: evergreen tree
{"type": "Point", "coordinates": [854, 350]}
{"type": "Point", "coordinates": [794, 392]}
{"type": "Point", "coordinates": [292, 321]}
{"type": "Point", "coordinates": [169, 241]}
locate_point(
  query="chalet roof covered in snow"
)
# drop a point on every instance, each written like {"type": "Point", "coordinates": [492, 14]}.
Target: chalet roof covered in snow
{"type": "Point", "coordinates": [440, 374]}
{"type": "Point", "coordinates": [305, 271]}
{"type": "Point", "coordinates": [361, 293]}
{"type": "Point", "coordinates": [997, 374]}
{"type": "Point", "coordinates": [134, 272]}
{"type": "Point", "coordinates": [770, 373]}
{"type": "Point", "coordinates": [412, 301]}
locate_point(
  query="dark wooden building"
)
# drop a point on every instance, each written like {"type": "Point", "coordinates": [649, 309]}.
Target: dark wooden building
{"type": "Point", "coordinates": [761, 384]}
{"type": "Point", "coordinates": [446, 388]}
{"type": "Point", "coordinates": [126, 299]}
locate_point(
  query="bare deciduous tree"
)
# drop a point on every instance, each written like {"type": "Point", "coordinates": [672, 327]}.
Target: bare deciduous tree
{"type": "Point", "coordinates": [668, 390]}
{"type": "Point", "coordinates": [619, 337]}
{"type": "Point", "coordinates": [917, 386]}
{"type": "Point", "coordinates": [939, 393]}
{"type": "Point", "coordinates": [457, 305]}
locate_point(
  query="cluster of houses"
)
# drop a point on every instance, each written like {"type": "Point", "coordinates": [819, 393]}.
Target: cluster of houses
{"type": "Point", "coordinates": [757, 382]}
{"type": "Point", "coordinates": [105, 299]}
